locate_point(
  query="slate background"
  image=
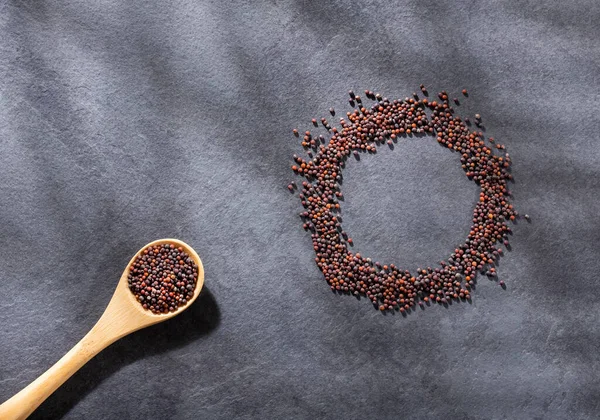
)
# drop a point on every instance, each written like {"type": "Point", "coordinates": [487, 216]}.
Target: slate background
{"type": "Point", "coordinates": [122, 122]}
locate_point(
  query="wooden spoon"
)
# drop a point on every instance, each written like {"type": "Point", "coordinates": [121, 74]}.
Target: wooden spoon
{"type": "Point", "coordinates": [123, 315]}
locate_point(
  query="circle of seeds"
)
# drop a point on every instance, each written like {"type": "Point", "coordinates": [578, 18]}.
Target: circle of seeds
{"type": "Point", "coordinates": [163, 278]}
{"type": "Point", "coordinates": [386, 285]}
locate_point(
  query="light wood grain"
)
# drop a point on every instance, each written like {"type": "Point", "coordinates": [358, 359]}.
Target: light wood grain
{"type": "Point", "coordinates": [122, 316]}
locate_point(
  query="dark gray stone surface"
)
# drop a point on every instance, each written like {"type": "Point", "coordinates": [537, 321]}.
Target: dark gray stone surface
{"type": "Point", "coordinates": [122, 122]}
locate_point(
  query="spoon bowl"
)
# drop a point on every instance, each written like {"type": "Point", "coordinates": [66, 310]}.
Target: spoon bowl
{"type": "Point", "coordinates": [122, 316]}
{"type": "Point", "coordinates": [124, 308]}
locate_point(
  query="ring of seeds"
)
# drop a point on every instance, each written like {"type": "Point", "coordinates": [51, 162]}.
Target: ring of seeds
{"type": "Point", "coordinates": [163, 278]}
{"type": "Point", "coordinates": [386, 285]}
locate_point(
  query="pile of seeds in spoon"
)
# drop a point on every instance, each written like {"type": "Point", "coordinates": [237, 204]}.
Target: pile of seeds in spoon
{"type": "Point", "coordinates": [364, 129]}
{"type": "Point", "coordinates": [163, 278]}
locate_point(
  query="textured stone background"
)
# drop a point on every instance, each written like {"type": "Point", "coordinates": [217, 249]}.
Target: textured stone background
{"type": "Point", "coordinates": [122, 122]}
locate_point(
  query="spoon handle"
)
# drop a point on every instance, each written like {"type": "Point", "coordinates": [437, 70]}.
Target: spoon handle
{"type": "Point", "coordinates": [21, 405]}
